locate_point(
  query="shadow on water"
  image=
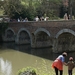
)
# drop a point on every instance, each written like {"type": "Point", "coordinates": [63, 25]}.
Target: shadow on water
{"type": "Point", "coordinates": [41, 52]}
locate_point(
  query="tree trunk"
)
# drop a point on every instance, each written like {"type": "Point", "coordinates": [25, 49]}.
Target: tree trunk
{"type": "Point", "coordinates": [70, 8]}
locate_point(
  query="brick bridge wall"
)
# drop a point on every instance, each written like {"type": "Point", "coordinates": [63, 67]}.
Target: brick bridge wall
{"type": "Point", "coordinates": [42, 34]}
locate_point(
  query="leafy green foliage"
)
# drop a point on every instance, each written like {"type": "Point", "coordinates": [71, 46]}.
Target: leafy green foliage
{"type": "Point", "coordinates": [27, 70]}
{"type": "Point", "coordinates": [32, 8]}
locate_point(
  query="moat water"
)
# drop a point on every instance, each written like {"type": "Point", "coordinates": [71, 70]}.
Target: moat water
{"type": "Point", "coordinates": [15, 57]}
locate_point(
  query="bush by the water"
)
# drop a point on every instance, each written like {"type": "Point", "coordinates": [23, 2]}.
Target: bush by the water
{"type": "Point", "coordinates": [27, 71]}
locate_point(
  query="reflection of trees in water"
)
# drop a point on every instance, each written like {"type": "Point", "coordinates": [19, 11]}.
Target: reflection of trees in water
{"type": "Point", "coordinates": [66, 41]}
{"type": "Point", "coordinates": [5, 67]}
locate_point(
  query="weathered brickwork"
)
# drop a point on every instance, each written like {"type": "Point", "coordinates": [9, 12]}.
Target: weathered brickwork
{"type": "Point", "coordinates": [41, 34]}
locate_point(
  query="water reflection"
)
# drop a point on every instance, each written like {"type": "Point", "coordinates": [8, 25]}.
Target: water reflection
{"type": "Point", "coordinates": [21, 56]}
{"type": "Point", "coordinates": [5, 67]}
{"type": "Point", "coordinates": [41, 52]}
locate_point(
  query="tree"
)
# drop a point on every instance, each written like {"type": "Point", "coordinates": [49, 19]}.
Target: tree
{"type": "Point", "coordinates": [70, 8]}
{"type": "Point", "coordinates": [11, 7]}
{"type": "Point", "coordinates": [3, 27]}
{"type": "Point", "coordinates": [31, 8]}
{"type": "Point", "coordinates": [50, 7]}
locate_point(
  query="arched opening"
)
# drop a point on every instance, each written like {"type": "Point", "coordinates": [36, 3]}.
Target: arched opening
{"type": "Point", "coordinates": [42, 36]}
{"type": "Point", "coordinates": [10, 36]}
{"type": "Point", "coordinates": [42, 39]}
{"type": "Point", "coordinates": [24, 37]}
{"type": "Point", "coordinates": [66, 42]}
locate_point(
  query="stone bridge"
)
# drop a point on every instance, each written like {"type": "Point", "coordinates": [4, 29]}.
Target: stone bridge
{"type": "Point", "coordinates": [60, 35]}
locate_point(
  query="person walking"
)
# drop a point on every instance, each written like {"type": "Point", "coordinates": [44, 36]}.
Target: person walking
{"type": "Point", "coordinates": [70, 65]}
{"type": "Point", "coordinates": [58, 63]}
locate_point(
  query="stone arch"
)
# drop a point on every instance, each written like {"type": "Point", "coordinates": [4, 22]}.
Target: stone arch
{"type": "Point", "coordinates": [9, 29]}
{"type": "Point", "coordinates": [42, 38]}
{"type": "Point", "coordinates": [65, 40]}
{"type": "Point", "coordinates": [23, 29]}
{"type": "Point", "coordinates": [41, 29]}
{"type": "Point", "coordinates": [9, 35]}
{"type": "Point", "coordinates": [65, 30]}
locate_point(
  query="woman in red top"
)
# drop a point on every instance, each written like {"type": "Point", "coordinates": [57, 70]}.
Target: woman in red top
{"type": "Point", "coordinates": [58, 63]}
